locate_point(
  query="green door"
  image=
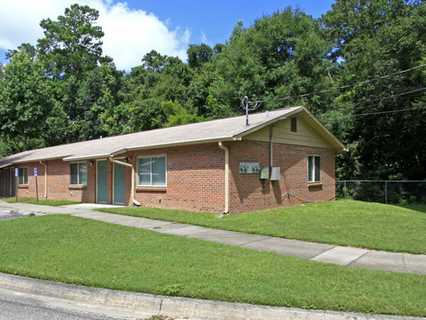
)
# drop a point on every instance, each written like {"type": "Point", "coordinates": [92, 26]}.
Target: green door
{"type": "Point", "coordinates": [102, 181]}
{"type": "Point", "coordinates": [119, 186]}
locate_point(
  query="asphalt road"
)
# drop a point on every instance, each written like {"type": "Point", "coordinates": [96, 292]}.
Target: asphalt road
{"type": "Point", "coordinates": [15, 306]}
{"type": "Point", "coordinates": [23, 311]}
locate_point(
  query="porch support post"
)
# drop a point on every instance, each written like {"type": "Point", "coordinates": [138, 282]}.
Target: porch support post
{"type": "Point", "coordinates": [132, 183]}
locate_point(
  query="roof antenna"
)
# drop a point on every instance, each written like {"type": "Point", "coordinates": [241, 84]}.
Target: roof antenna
{"type": "Point", "coordinates": [247, 105]}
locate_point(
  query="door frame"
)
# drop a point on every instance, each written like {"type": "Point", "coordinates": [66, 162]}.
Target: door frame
{"type": "Point", "coordinates": [12, 182]}
{"type": "Point", "coordinates": [96, 184]}
{"type": "Point", "coordinates": [113, 180]}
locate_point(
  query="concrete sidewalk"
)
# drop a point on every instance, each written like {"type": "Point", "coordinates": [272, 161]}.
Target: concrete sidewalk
{"type": "Point", "coordinates": [345, 256]}
{"type": "Point", "coordinates": [132, 305]}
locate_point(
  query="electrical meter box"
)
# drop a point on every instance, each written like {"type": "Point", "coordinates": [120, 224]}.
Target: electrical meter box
{"type": "Point", "coordinates": [275, 174]}
{"type": "Point", "coordinates": [264, 173]}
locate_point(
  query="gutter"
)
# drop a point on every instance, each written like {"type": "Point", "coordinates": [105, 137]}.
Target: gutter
{"type": "Point", "coordinates": [271, 156]}
{"type": "Point", "coordinates": [226, 149]}
{"type": "Point", "coordinates": [132, 188]}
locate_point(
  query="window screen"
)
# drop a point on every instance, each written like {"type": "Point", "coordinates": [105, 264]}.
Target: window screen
{"type": "Point", "coordinates": [152, 171]}
{"type": "Point", "coordinates": [314, 169]}
{"type": "Point", "coordinates": [22, 176]}
{"type": "Point", "coordinates": [78, 173]}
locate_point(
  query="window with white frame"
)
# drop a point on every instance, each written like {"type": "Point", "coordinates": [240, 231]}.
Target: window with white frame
{"type": "Point", "coordinates": [152, 171]}
{"type": "Point", "coordinates": [314, 168]}
{"type": "Point", "coordinates": [22, 176]}
{"type": "Point", "coordinates": [78, 173]}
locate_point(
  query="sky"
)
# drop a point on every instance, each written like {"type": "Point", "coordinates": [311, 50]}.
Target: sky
{"type": "Point", "coordinates": [134, 27]}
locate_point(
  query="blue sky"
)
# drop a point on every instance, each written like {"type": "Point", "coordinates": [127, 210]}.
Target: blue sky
{"type": "Point", "coordinates": [134, 27]}
{"type": "Point", "coordinates": [216, 19]}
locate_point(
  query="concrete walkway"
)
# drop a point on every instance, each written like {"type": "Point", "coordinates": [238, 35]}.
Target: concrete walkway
{"type": "Point", "coordinates": [345, 256]}
{"type": "Point", "coordinates": [132, 305]}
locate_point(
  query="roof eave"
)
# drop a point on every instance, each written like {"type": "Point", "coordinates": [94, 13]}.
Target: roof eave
{"type": "Point", "coordinates": [181, 143]}
{"type": "Point", "coordinates": [154, 146]}
{"type": "Point", "coordinates": [85, 157]}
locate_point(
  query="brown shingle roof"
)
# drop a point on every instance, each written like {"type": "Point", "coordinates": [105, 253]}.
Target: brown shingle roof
{"type": "Point", "coordinates": [201, 132]}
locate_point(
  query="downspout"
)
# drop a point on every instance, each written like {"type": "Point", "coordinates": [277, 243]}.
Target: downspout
{"type": "Point", "coordinates": [132, 184]}
{"type": "Point", "coordinates": [270, 152]}
{"type": "Point", "coordinates": [45, 178]}
{"type": "Point", "coordinates": [226, 149]}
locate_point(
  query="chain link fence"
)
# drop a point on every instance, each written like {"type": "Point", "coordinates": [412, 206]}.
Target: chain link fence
{"type": "Point", "coordinates": [385, 191]}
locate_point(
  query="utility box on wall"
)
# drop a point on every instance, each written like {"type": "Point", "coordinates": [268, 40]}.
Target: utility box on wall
{"type": "Point", "coordinates": [275, 174]}
{"type": "Point", "coordinates": [264, 173]}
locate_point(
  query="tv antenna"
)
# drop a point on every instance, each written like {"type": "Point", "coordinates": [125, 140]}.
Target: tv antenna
{"type": "Point", "coordinates": [248, 106]}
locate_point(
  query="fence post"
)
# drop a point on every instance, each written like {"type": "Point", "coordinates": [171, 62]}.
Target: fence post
{"type": "Point", "coordinates": [344, 189]}
{"type": "Point", "coordinates": [386, 191]}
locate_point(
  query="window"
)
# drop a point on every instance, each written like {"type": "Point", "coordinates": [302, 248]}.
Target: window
{"type": "Point", "coordinates": [22, 176]}
{"type": "Point", "coordinates": [293, 125]}
{"type": "Point", "coordinates": [78, 173]}
{"type": "Point", "coordinates": [152, 171]}
{"type": "Point", "coordinates": [314, 169]}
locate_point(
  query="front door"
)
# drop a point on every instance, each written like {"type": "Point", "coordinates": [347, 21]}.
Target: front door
{"type": "Point", "coordinates": [119, 185]}
{"type": "Point", "coordinates": [12, 182]}
{"type": "Point", "coordinates": [102, 181]}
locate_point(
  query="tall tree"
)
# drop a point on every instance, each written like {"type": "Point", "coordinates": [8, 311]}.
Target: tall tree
{"type": "Point", "coordinates": [154, 94]}
{"type": "Point", "coordinates": [83, 80]}
{"type": "Point", "coordinates": [199, 55]}
{"type": "Point", "coordinates": [24, 102]}
{"type": "Point", "coordinates": [283, 55]}
{"type": "Point", "coordinates": [374, 42]}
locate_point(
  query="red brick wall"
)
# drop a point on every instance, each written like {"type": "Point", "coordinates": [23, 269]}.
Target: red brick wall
{"type": "Point", "coordinates": [195, 179]}
{"type": "Point", "coordinates": [248, 192]}
{"type": "Point", "coordinates": [58, 182]}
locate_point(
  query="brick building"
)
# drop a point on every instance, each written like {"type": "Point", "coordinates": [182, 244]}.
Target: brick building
{"type": "Point", "coordinates": [280, 158]}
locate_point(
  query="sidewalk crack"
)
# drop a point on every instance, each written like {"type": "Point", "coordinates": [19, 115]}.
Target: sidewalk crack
{"type": "Point", "coordinates": [356, 259]}
{"type": "Point", "coordinates": [161, 306]}
{"type": "Point", "coordinates": [250, 242]}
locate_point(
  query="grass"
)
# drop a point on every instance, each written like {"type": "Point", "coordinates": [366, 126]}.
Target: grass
{"type": "Point", "coordinates": [44, 202]}
{"type": "Point", "coordinates": [343, 222]}
{"type": "Point", "coordinates": [79, 251]}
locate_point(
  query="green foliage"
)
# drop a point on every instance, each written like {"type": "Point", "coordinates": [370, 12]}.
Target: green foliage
{"type": "Point", "coordinates": [375, 39]}
{"type": "Point", "coordinates": [64, 89]}
{"type": "Point", "coordinates": [24, 102]}
{"type": "Point", "coordinates": [199, 55]}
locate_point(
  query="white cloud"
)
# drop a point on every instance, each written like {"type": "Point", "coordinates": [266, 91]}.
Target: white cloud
{"type": "Point", "coordinates": [204, 38]}
{"type": "Point", "coordinates": [129, 33]}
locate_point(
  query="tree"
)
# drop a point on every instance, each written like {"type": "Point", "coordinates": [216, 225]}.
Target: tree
{"type": "Point", "coordinates": [374, 39]}
{"type": "Point", "coordinates": [199, 55]}
{"type": "Point", "coordinates": [283, 55]}
{"type": "Point", "coordinates": [154, 95]}
{"type": "Point", "coordinates": [83, 81]}
{"type": "Point", "coordinates": [24, 102]}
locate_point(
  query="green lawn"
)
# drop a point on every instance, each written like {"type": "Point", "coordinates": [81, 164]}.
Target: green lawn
{"type": "Point", "coordinates": [343, 222]}
{"type": "Point", "coordinates": [45, 202]}
{"type": "Point", "coordinates": [75, 250]}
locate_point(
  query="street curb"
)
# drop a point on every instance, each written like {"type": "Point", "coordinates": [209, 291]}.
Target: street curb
{"type": "Point", "coordinates": [143, 304]}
